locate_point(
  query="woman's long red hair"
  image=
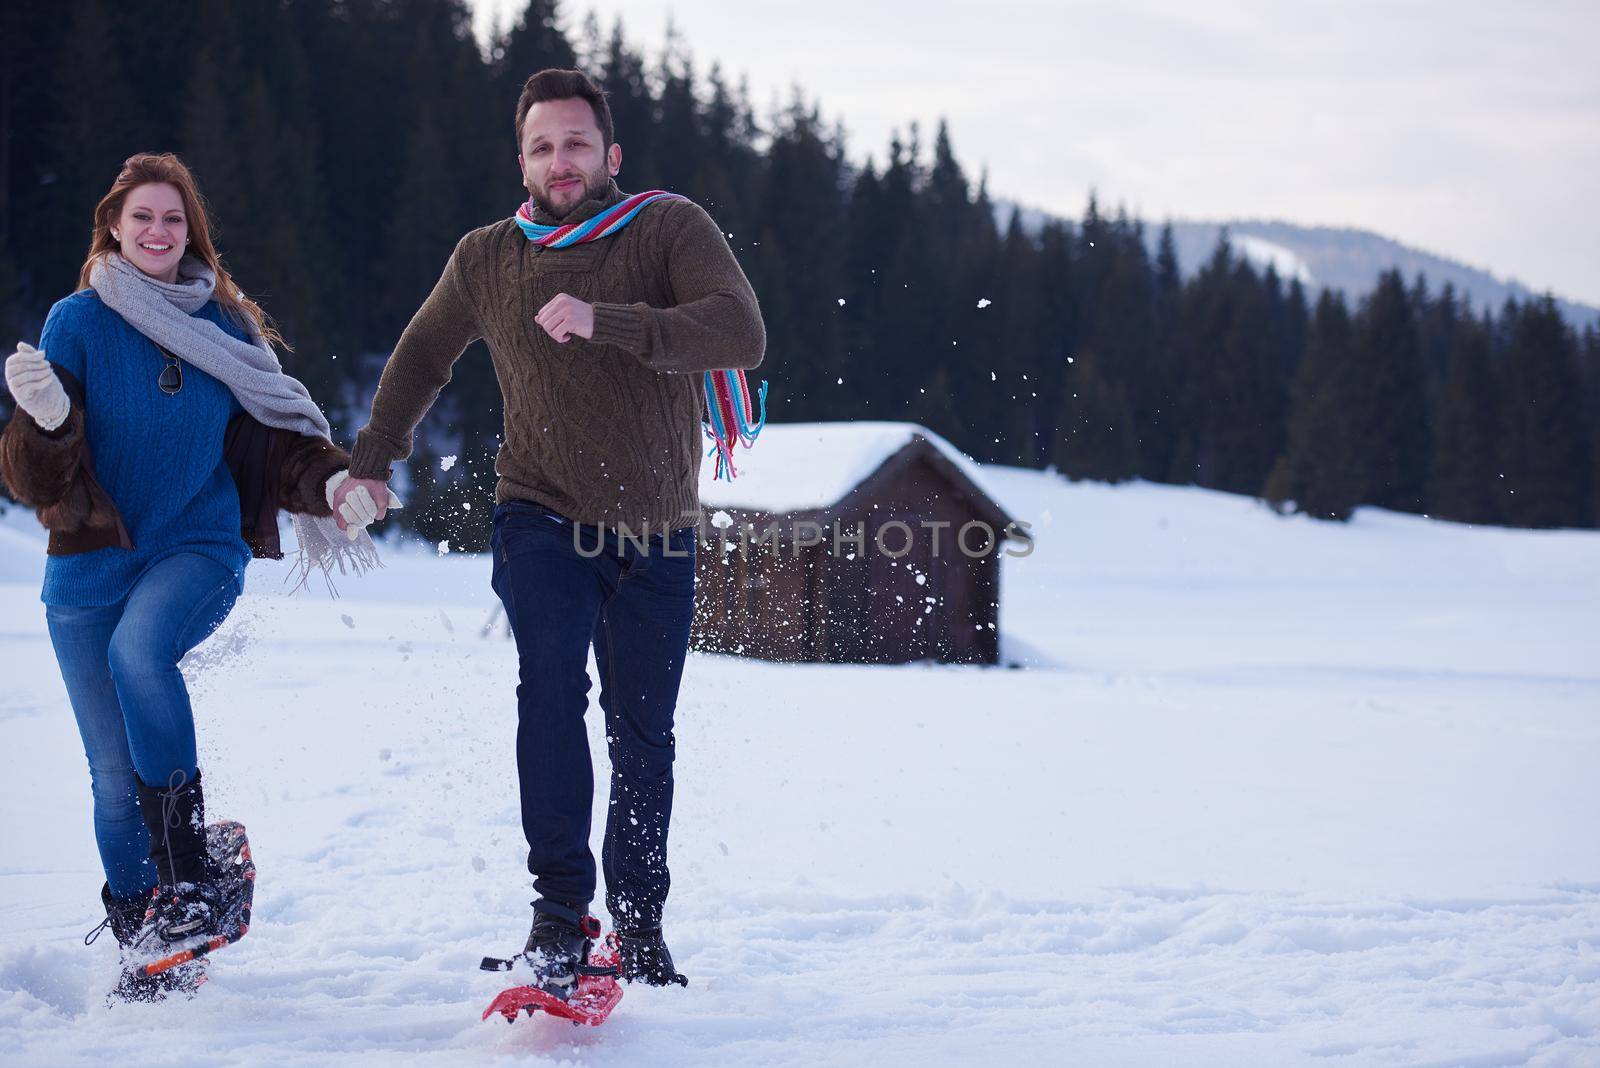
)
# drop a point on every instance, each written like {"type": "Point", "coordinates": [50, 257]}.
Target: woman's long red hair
{"type": "Point", "coordinates": [163, 167]}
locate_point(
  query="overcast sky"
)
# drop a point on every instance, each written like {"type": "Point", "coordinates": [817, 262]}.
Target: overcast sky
{"type": "Point", "coordinates": [1470, 129]}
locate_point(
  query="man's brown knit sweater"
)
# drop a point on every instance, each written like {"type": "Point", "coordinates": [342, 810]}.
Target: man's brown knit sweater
{"type": "Point", "coordinates": [602, 431]}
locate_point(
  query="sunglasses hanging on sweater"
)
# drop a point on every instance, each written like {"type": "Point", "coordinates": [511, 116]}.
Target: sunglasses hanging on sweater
{"type": "Point", "coordinates": [171, 379]}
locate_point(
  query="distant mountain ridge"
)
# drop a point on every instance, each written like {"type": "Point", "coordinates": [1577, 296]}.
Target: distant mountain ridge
{"type": "Point", "coordinates": [1341, 258]}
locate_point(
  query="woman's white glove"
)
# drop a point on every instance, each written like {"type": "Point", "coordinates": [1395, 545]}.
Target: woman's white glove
{"type": "Point", "coordinates": [353, 506]}
{"type": "Point", "coordinates": [36, 388]}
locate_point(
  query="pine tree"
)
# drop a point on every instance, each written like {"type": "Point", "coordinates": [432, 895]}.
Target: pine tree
{"type": "Point", "coordinates": [421, 231]}
{"type": "Point", "coordinates": [892, 374]}
{"type": "Point", "coordinates": [865, 265]}
{"type": "Point", "coordinates": [725, 176]}
{"type": "Point", "coordinates": [678, 121]}
{"type": "Point", "coordinates": [1154, 399]}
{"type": "Point", "coordinates": [425, 221]}
{"type": "Point", "coordinates": [1437, 322]}
{"type": "Point", "coordinates": [1232, 402]}
{"type": "Point", "coordinates": [803, 250]}
{"type": "Point", "coordinates": [281, 256]}
{"type": "Point", "coordinates": [1056, 299]}
{"type": "Point", "coordinates": [1462, 481]}
{"type": "Point", "coordinates": [1390, 403]}
{"type": "Point", "coordinates": [1096, 438]}
{"type": "Point", "coordinates": [1545, 445]}
{"type": "Point", "coordinates": [534, 44]}
{"type": "Point", "coordinates": [1589, 368]}
{"type": "Point", "coordinates": [945, 193]}
{"type": "Point", "coordinates": [454, 148]}
{"type": "Point", "coordinates": [633, 111]}
{"type": "Point", "coordinates": [957, 240]}
{"type": "Point", "coordinates": [1119, 342]}
{"type": "Point", "coordinates": [208, 144]}
{"type": "Point", "coordinates": [1011, 322]}
{"type": "Point", "coordinates": [95, 127]}
{"type": "Point", "coordinates": [1324, 474]}
{"type": "Point", "coordinates": [591, 45]}
{"type": "Point", "coordinates": [1245, 422]}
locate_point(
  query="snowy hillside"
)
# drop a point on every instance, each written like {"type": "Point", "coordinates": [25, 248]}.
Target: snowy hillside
{"type": "Point", "coordinates": [1342, 258]}
{"type": "Point", "coordinates": [1350, 260]}
{"type": "Point", "coordinates": [1261, 791]}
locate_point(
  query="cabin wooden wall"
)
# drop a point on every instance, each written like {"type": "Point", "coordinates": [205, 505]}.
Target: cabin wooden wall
{"type": "Point", "coordinates": [816, 605]}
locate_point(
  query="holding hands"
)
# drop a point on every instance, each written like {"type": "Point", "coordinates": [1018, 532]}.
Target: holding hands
{"type": "Point", "coordinates": [565, 316]}
{"type": "Point", "coordinates": [355, 502]}
{"type": "Point", "coordinates": [35, 386]}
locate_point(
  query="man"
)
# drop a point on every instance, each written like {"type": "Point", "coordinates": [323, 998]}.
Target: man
{"type": "Point", "coordinates": [600, 349]}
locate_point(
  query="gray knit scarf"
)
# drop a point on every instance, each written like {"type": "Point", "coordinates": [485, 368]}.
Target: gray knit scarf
{"type": "Point", "coordinates": [164, 313]}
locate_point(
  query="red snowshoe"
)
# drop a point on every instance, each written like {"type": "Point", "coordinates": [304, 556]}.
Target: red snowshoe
{"type": "Point", "coordinates": [588, 1001]}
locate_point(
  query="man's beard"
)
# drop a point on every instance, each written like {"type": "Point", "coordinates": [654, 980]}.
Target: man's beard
{"type": "Point", "coordinates": [594, 186]}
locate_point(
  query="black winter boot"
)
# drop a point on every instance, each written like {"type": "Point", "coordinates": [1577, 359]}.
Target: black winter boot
{"type": "Point", "coordinates": [646, 959]}
{"type": "Point", "coordinates": [556, 946]}
{"type": "Point", "coordinates": [186, 904]}
{"type": "Point", "coordinates": [125, 917]}
{"type": "Point", "coordinates": [175, 815]}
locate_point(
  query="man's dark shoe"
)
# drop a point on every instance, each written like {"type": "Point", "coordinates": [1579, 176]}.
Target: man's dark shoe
{"type": "Point", "coordinates": [555, 947]}
{"type": "Point", "coordinates": [646, 959]}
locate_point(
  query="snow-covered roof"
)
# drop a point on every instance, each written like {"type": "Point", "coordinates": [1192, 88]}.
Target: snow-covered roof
{"type": "Point", "coordinates": [800, 466]}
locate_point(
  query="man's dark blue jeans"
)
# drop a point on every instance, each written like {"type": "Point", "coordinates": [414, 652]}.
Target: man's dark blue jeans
{"type": "Point", "coordinates": [565, 587]}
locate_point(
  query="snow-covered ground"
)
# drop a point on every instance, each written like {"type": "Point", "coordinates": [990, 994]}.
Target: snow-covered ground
{"type": "Point", "coordinates": [1263, 791]}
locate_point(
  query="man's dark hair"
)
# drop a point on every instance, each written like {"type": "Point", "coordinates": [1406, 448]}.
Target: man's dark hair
{"type": "Point", "coordinates": [556, 84]}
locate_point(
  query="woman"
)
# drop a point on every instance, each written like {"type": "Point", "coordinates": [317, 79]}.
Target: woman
{"type": "Point", "coordinates": [158, 437]}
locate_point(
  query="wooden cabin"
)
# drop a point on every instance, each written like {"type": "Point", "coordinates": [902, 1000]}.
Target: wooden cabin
{"type": "Point", "coordinates": [871, 543]}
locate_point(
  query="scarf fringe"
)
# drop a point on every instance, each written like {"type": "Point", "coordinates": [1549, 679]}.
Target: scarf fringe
{"type": "Point", "coordinates": [732, 417]}
{"type": "Point", "coordinates": [322, 546]}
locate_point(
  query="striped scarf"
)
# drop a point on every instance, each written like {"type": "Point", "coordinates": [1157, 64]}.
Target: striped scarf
{"type": "Point", "coordinates": [732, 415]}
{"type": "Point", "coordinates": [606, 223]}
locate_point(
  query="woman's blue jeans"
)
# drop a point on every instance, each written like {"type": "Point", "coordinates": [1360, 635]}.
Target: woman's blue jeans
{"type": "Point", "coordinates": [120, 665]}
